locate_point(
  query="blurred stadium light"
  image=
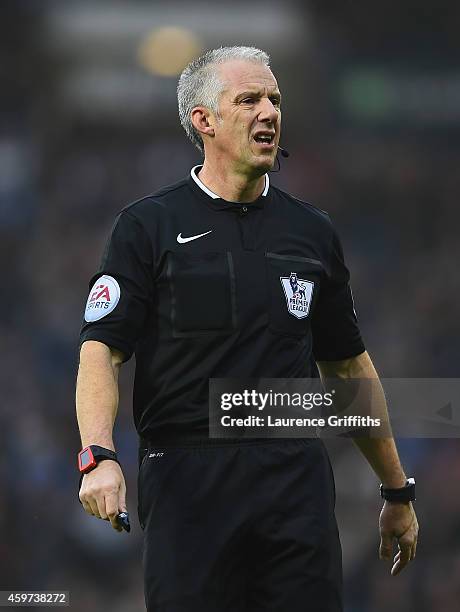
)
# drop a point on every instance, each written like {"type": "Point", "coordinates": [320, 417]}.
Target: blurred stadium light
{"type": "Point", "coordinates": [376, 94]}
{"type": "Point", "coordinates": [110, 50]}
{"type": "Point", "coordinates": [165, 51]}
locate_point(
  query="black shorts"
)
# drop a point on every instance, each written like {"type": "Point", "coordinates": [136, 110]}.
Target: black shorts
{"type": "Point", "coordinates": [240, 528]}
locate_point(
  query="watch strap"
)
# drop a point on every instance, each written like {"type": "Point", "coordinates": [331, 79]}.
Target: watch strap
{"type": "Point", "coordinates": [100, 453]}
{"type": "Point", "coordinates": [403, 495]}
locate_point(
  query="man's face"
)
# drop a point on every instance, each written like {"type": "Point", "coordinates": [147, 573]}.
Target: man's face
{"type": "Point", "coordinates": [250, 118]}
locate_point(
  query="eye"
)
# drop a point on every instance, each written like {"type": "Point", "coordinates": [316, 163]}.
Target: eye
{"type": "Point", "coordinates": [275, 101]}
{"type": "Point", "coordinates": [247, 100]}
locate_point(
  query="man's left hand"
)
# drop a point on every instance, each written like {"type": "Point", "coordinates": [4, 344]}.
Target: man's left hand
{"type": "Point", "coordinates": [398, 521]}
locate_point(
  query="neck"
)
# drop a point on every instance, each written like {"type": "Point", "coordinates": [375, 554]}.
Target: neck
{"type": "Point", "coordinates": [229, 184]}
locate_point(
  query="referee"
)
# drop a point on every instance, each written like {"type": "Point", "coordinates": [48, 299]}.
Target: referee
{"type": "Point", "coordinates": [195, 280]}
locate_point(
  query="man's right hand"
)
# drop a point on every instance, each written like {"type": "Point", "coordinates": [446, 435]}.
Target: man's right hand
{"type": "Point", "coordinates": [103, 492]}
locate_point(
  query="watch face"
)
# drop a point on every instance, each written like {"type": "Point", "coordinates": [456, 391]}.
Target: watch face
{"type": "Point", "coordinates": [85, 458]}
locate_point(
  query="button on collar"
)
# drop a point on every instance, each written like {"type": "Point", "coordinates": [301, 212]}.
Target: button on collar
{"type": "Point", "coordinates": [218, 204]}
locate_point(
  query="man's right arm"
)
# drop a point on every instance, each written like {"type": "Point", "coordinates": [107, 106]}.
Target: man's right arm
{"type": "Point", "coordinates": [103, 490]}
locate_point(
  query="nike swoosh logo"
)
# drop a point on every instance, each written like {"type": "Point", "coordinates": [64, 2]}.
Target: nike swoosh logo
{"type": "Point", "coordinates": [181, 240]}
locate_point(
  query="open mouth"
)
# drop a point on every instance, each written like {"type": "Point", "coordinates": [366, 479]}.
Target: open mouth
{"type": "Point", "coordinates": [266, 141]}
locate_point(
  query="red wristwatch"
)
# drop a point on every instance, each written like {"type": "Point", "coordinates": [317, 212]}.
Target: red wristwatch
{"type": "Point", "coordinates": [90, 456]}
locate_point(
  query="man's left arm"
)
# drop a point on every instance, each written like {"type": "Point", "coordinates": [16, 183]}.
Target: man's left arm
{"type": "Point", "coordinates": [397, 520]}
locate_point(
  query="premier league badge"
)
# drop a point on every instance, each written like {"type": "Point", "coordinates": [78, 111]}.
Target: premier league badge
{"type": "Point", "coordinates": [298, 294]}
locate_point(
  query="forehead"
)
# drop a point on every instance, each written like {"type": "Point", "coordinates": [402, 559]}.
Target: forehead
{"type": "Point", "coordinates": [239, 75]}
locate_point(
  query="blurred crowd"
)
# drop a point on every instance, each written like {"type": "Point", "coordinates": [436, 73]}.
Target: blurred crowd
{"type": "Point", "coordinates": [393, 196]}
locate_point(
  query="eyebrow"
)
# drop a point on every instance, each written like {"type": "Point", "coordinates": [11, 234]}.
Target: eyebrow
{"type": "Point", "coordinates": [258, 94]}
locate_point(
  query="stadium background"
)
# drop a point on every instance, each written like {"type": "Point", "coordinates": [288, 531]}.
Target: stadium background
{"type": "Point", "coordinates": [88, 123]}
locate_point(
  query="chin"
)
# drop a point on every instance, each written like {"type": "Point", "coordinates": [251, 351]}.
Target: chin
{"type": "Point", "coordinates": [258, 165]}
{"type": "Point", "coordinates": [264, 163]}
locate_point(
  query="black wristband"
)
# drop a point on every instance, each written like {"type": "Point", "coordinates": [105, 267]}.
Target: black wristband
{"type": "Point", "coordinates": [403, 495]}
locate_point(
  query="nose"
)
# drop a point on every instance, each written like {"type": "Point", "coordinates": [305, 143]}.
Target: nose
{"type": "Point", "coordinates": [267, 111]}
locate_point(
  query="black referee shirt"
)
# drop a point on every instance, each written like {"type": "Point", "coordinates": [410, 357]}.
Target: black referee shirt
{"type": "Point", "coordinates": [202, 288]}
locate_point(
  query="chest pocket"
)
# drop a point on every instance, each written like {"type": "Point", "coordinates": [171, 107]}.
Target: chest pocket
{"type": "Point", "coordinates": [202, 290]}
{"type": "Point", "coordinates": [293, 285]}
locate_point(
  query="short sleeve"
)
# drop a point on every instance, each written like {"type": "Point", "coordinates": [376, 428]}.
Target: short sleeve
{"type": "Point", "coordinates": [335, 330]}
{"type": "Point", "coordinates": [121, 291]}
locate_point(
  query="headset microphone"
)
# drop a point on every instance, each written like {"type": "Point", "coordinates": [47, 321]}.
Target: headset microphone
{"type": "Point", "coordinates": [284, 153]}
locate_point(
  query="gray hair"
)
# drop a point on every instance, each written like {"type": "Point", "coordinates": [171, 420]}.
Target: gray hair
{"type": "Point", "coordinates": [200, 85]}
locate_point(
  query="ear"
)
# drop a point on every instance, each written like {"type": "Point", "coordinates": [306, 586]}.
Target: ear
{"type": "Point", "coordinates": [203, 120]}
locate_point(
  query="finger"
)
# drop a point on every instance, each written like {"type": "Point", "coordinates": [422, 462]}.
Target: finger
{"type": "Point", "coordinates": [414, 549]}
{"type": "Point", "coordinates": [100, 501]}
{"type": "Point", "coordinates": [386, 547]}
{"type": "Point", "coordinates": [111, 506]}
{"type": "Point", "coordinates": [396, 563]}
{"type": "Point", "coordinates": [122, 500]}
{"type": "Point", "coordinates": [86, 506]}
{"type": "Point", "coordinates": [93, 505]}
{"type": "Point", "coordinates": [82, 498]}
{"type": "Point", "coordinates": [401, 559]}
{"type": "Point", "coordinates": [86, 502]}
{"type": "Point", "coordinates": [396, 568]}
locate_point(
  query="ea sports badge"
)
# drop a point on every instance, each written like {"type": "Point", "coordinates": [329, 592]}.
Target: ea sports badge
{"type": "Point", "coordinates": [298, 294]}
{"type": "Point", "coordinates": [103, 298]}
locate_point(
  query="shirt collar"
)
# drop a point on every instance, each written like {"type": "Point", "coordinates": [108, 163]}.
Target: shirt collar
{"type": "Point", "coordinates": [214, 196]}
